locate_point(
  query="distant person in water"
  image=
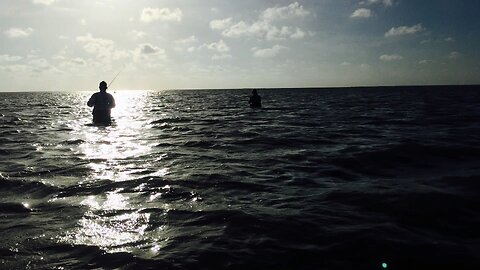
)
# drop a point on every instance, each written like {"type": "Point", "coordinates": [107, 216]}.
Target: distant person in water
{"type": "Point", "coordinates": [255, 100]}
{"type": "Point", "coordinates": [102, 103]}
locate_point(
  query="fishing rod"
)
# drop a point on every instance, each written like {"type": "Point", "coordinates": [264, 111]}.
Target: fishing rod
{"type": "Point", "coordinates": [115, 77]}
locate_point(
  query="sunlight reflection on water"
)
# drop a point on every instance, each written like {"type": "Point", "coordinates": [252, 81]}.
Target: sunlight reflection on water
{"type": "Point", "coordinates": [114, 154]}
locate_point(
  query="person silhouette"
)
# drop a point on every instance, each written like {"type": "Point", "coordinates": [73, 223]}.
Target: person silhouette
{"type": "Point", "coordinates": [255, 100]}
{"type": "Point", "coordinates": [102, 103]}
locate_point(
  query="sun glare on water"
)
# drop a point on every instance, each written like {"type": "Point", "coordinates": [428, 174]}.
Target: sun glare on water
{"type": "Point", "coordinates": [114, 153]}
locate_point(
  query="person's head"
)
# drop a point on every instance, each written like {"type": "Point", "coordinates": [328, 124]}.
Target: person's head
{"type": "Point", "coordinates": [254, 92]}
{"type": "Point", "coordinates": [103, 86]}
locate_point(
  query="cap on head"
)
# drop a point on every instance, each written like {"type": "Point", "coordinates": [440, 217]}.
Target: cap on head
{"type": "Point", "coordinates": [103, 85]}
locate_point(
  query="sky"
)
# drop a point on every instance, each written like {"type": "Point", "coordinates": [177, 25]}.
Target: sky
{"type": "Point", "coordinates": [196, 44]}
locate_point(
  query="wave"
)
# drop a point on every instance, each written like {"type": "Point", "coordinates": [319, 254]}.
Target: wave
{"type": "Point", "coordinates": [12, 207]}
{"type": "Point", "coordinates": [415, 155]}
{"type": "Point", "coordinates": [34, 189]}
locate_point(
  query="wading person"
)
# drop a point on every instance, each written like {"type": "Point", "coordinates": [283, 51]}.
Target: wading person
{"type": "Point", "coordinates": [255, 100]}
{"type": "Point", "coordinates": [102, 103]}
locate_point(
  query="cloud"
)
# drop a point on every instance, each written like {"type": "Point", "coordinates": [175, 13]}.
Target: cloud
{"type": "Point", "coordinates": [221, 56]}
{"type": "Point", "coordinates": [9, 58]}
{"type": "Point", "coordinates": [404, 30]}
{"type": "Point", "coordinates": [72, 63]}
{"type": "Point", "coordinates": [18, 32]}
{"type": "Point", "coordinates": [298, 34]}
{"type": "Point", "coordinates": [450, 39]}
{"type": "Point", "coordinates": [165, 14]}
{"type": "Point", "coordinates": [220, 46]}
{"type": "Point", "coordinates": [262, 29]}
{"type": "Point", "coordinates": [387, 3]}
{"type": "Point", "coordinates": [365, 66]}
{"type": "Point", "coordinates": [136, 35]}
{"type": "Point", "coordinates": [102, 48]}
{"type": "Point", "coordinates": [39, 65]}
{"type": "Point", "coordinates": [220, 24]}
{"type": "Point", "coordinates": [95, 45]}
{"type": "Point", "coordinates": [43, 2]}
{"type": "Point", "coordinates": [147, 51]}
{"type": "Point", "coordinates": [361, 13]}
{"type": "Point", "coordinates": [290, 11]}
{"type": "Point", "coordinates": [268, 52]}
{"type": "Point", "coordinates": [424, 62]}
{"type": "Point", "coordinates": [265, 26]}
{"type": "Point", "coordinates": [186, 44]}
{"type": "Point", "coordinates": [188, 40]}
{"type": "Point", "coordinates": [78, 61]}
{"type": "Point", "coordinates": [391, 57]}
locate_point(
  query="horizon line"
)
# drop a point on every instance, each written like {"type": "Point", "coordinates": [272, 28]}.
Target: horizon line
{"type": "Point", "coordinates": [261, 88]}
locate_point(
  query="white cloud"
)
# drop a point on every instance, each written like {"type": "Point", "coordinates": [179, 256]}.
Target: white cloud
{"type": "Point", "coordinates": [95, 45]}
{"type": "Point", "coordinates": [9, 58]}
{"type": "Point", "coordinates": [220, 46]}
{"type": "Point", "coordinates": [361, 13]}
{"type": "Point", "coordinates": [390, 57]}
{"type": "Point", "coordinates": [188, 40]}
{"type": "Point", "coordinates": [186, 44]}
{"type": "Point", "coordinates": [290, 11]}
{"type": "Point", "coordinates": [43, 2]}
{"type": "Point", "coordinates": [365, 66]}
{"type": "Point", "coordinates": [387, 3]}
{"type": "Point", "coordinates": [221, 56]}
{"type": "Point", "coordinates": [298, 34]}
{"type": "Point", "coordinates": [450, 39]}
{"type": "Point", "coordinates": [268, 52]}
{"type": "Point", "coordinates": [39, 65]}
{"type": "Point", "coordinates": [265, 27]}
{"type": "Point", "coordinates": [262, 29]}
{"type": "Point", "coordinates": [102, 48]}
{"type": "Point", "coordinates": [72, 63]}
{"type": "Point", "coordinates": [136, 35]}
{"type": "Point", "coordinates": [220, 24]}
{"type": "Point", "coordinates": [18, 32]}
{"type": "Point", "coordinates": [345, 64]}
{"type": "Point", "coordinates": [424, 62]}
{"type": "Point", "coordinates": [165, 14]}
{"type": "Point", "coordinates": [83, 22]}
{"type": "Point", "coordinates": [78, 61]}
{"type": "Point", "coordinates": [404, 30]}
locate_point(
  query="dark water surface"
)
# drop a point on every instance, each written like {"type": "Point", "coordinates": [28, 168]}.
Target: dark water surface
{"type": "Point", "coordinates": [319, 179]}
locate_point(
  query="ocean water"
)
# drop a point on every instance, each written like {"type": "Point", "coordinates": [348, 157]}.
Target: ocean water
{"type": "Point", "coordinates": [353, 178]}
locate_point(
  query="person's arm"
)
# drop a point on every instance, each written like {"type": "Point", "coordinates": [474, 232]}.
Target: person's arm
{"type": "Point", "coordinates": [91, 101]}
{"type": "Point", "coordinates": [112, 102]}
